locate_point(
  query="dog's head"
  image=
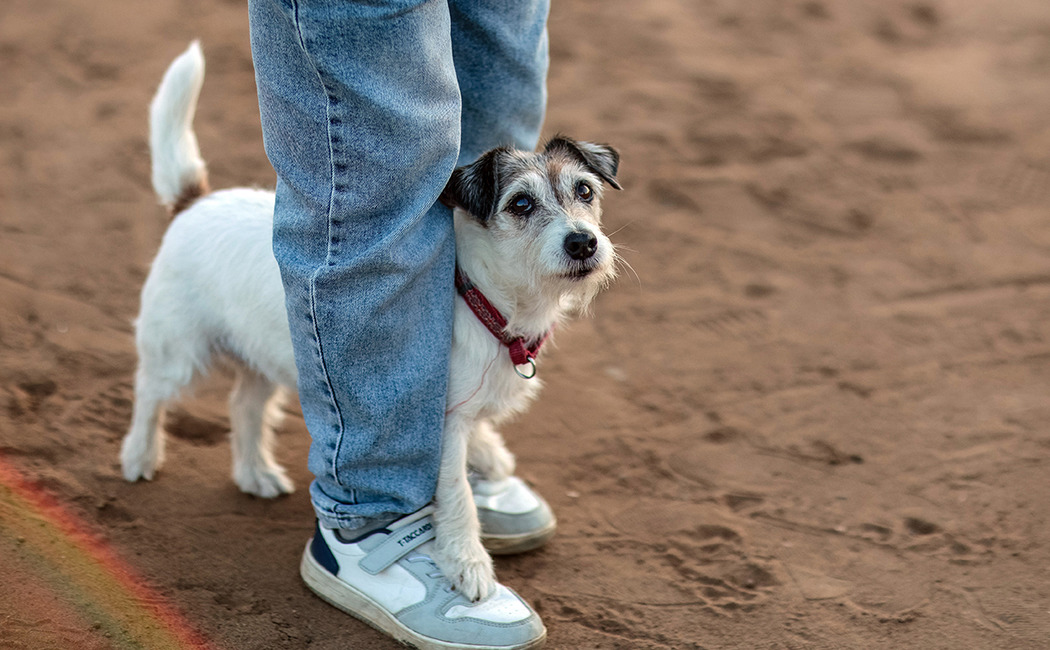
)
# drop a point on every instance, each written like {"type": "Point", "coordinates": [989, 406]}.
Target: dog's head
{"type": "Point", "coordinates": [542, 212]}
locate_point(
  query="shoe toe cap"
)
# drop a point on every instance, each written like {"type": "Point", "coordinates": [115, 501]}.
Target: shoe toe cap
{"type": "Point", "coordinates": [503, 620]}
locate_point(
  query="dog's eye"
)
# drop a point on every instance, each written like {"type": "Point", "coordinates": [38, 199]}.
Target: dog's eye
{"type": "Point", "coordinates": [584, 192]}
{"type": "Point", "coordinates": [521, 205]}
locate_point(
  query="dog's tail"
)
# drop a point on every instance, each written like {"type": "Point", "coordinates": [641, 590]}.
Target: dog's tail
{"type": "Point", "coordinates": [179, 174]}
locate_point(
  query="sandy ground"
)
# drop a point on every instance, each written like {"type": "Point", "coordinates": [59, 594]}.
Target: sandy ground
{"type": "Point", "coordinates": [816, 419]}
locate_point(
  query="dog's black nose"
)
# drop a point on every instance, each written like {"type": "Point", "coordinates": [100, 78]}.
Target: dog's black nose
{"type": "Point", "coordinates": [580, 245]}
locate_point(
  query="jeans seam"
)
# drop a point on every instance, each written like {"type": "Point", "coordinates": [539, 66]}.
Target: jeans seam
{"type": "Point", "coordinates": [328, 259]}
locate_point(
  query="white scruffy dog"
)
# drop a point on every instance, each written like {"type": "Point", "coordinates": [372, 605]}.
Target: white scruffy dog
{"type": "Point", "coordinates": [528, 238]}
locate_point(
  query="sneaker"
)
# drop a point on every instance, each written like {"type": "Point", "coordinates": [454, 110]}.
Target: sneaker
{"type": "Point", "coordinates": [387, 579]}
{"type": "Point", "coordinates": [513, 517]}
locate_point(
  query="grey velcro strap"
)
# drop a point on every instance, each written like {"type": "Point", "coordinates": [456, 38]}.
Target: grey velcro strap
{"type": "Point", "coordinates": [397, 545]}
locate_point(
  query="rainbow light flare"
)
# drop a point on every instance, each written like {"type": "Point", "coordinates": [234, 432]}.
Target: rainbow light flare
{"type": "Point", "coordinates": [63, 587]}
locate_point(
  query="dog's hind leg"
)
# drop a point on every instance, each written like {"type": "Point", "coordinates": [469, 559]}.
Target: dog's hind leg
{"type": "Point", "coordinates": [488, 455]}
{"type": "Point", "coordinates": [142, 451]}
{"type": "Point", "coordinates": [254, 407]}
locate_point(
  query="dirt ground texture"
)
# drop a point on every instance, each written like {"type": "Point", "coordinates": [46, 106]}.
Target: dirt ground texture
{"type": "Point", "coordinates": [816, 418]}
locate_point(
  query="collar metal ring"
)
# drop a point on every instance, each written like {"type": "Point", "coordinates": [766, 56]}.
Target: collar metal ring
{"type": "Point", "coordinates": [532, 364]}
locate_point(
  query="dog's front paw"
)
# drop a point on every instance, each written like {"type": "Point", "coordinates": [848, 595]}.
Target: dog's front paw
{"type": "Point", "coordinates": [266, 481]}
{"type": "Point", "coordinates": [488, 455]}
{"type": "Point", "coordinates": [494, 464]}
{"type": "Point", "coordinates": [476, 579]}
{"type": "Point", "coordinates": [470, 570]}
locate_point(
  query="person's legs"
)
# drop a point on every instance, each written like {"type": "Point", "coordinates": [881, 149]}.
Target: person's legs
{"type": "Point", "coordinates": [361, 116]}
{"type": "Point", "coordinates": [501, 58]}
{"type": "Point", "coordinates": [361, 113]}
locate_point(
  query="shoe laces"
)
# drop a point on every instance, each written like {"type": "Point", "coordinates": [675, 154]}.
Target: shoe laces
{"type": "Point", "coordinates": [436, 571]}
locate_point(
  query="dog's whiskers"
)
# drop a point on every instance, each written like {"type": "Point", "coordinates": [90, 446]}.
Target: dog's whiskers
{"type": "Point", "coordinates": [626, 225]}
{"type": "Point", "coordinates": [621, 263]}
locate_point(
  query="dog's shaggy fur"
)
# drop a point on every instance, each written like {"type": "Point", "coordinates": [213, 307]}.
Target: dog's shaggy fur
{"type": "Point", "coordinates": [528, 236]}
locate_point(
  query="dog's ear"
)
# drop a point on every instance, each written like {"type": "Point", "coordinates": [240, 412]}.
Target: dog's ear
{"type": "Point", "coordinates": [599, 158]}
{"type": "Point", "coordinates": [475, 187]}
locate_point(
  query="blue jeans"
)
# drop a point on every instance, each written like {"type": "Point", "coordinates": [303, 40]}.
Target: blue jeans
{"type": "Point", "coordinates": [366, 109]}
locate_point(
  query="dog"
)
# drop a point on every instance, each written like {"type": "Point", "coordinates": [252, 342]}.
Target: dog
{"type": "Point", "coordinates": [531, 254]}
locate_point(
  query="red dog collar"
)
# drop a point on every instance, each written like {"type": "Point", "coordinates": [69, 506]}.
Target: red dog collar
{"type": "Point", "coordinates": [520, 352]}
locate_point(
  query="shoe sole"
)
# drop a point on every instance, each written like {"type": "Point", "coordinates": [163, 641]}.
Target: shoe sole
{"type": "Point", "coordinates": [337, 593]}
{"type": "Point", "coordinates": [511, 544]}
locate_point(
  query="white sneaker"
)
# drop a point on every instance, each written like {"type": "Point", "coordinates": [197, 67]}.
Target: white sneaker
{"type": "Point", "coordinates": [387, 579]}
{"type": "Point", "coordinates": [513, 517]}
